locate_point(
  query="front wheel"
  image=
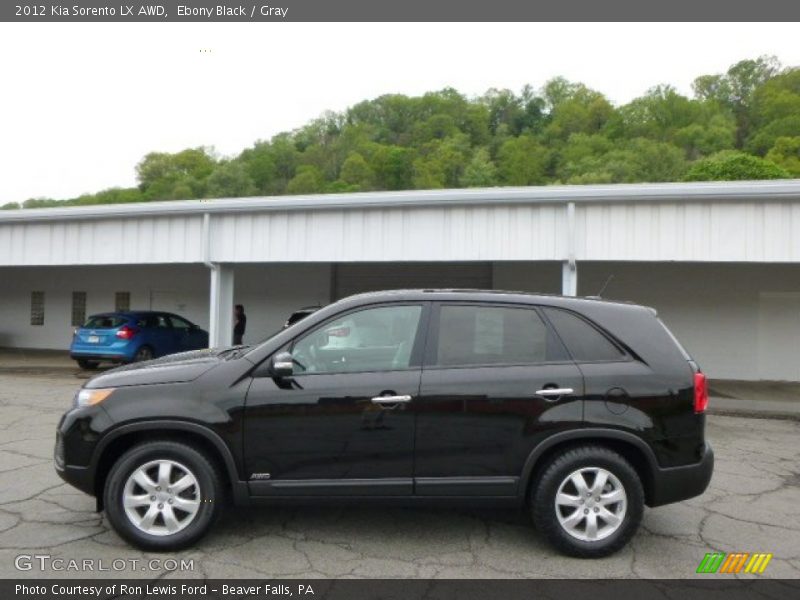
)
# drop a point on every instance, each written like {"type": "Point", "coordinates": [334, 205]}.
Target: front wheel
{"type": "Point", "coordinates": [162, 496]}
{"type": "Point", "coordinates": [588, 502]}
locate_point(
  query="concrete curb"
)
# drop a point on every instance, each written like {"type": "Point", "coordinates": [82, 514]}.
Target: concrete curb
{"type": "Point", "coordinates": [754, 414]}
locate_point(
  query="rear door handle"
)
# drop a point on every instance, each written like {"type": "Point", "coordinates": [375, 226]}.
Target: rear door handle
{"type": "Point", "coordinates": [391, 400]}
{"type": "Point", "coordinates": [554, 392]}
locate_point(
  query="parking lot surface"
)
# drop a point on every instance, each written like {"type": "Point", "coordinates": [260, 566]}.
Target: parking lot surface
{"type": "Point", "coordinates": [751, 506]}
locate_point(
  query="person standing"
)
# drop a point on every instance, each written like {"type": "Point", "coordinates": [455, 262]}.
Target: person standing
{"type": "Point", "coordinates": [239, 324]}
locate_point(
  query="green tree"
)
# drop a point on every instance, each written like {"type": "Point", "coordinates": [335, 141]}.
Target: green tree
{"type": "Point", "coordinates": [40, 203]}
{"type": "Point", "coordinates": [392, 165]}
{"type": "Point", "coordinates": [230, 179]}
{"type": "Point", "coordinates": [259, 162]}
{"type": "Point", "coordinates": [308, 180]}
{"type": "Point", "coordinates": [581, 155]}
{"type": "Point", "coordinates": [775, 111]}
{"type": "Point", "coordinates": [480, 171]}
{"type": "Point", "coordinates": [164, 176]}
{"type": "Point", "coordinates": [522, 161]}
{"type": "Point", "coordinates": [561, 132]}
{"type": "Point", "coordinates": [357, 172]}
{"type": "Point", "coordinates": [574, 108]}
{"type": "Point", "coordinates": [702, 139]}
{"type": "Point", "coordinates": [594, 160]}
{"type": "Point", "coordinates": [786, 154]}
{"type": "Point", "coordinates": [733, 165]}
{"type": "Point", "coordinates": [441, 163]}
{"type": "Point", "coordinates": [736, 89]}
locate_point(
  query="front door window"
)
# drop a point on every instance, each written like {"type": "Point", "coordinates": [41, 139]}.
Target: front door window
{"type": "Point", "coordinates": [376, 339]}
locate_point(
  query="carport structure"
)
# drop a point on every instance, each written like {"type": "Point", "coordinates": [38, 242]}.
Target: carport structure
{"type": "Point", "coordinates": [719, 261]}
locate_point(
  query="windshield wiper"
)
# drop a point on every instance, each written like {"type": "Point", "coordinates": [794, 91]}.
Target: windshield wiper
{"type": "Point", "coordinates": [233, 352]}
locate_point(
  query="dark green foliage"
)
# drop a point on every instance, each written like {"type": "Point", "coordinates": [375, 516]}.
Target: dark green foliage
{"type": "Point", "coordinates": [564, 132]}
{"type": "Point", "coordinates": [732, 165]}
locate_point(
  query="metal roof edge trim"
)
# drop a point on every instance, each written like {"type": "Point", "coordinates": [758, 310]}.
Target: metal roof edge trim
{"type": "Point", "coordinates": [775, 190]}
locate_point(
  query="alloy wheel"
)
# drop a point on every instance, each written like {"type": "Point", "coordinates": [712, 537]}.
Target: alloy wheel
{"type": "Point", "coordinates": [161, 497]}
{"type": "Point", "coordinates": [591, 504]}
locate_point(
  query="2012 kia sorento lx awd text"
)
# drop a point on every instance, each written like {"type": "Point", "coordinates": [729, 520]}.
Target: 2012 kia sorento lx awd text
{"type": "Point", "coordinates": [580, 410]}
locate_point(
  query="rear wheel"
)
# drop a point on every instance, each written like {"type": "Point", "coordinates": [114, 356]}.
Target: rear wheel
{"type": "Point", "coordinates": [588, 502]}
{"type": "Point", "coordinates": [87, 364]}
{"type": "Point", "coordinates": [143, 353]}
{"type": "Point", "coordinates": [163, 495]}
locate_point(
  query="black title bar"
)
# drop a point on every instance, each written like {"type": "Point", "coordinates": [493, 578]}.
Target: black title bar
{"type": "Point", "coordinates": [383, 589]}
{"type": "Point", "coordinates": [399, 10]}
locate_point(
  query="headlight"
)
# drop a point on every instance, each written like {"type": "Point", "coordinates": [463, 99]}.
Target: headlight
{"type": "Point", "coordinates": [90, 397]}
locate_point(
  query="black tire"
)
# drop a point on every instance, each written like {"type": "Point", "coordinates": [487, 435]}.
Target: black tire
{"type": "Point", "coordinates": [143, 353]}
{"type": "Point", "coordinates": [87, 364]}
{"type": "Point", "coordinates": [210, 494]}
{"type": "Point", "coordinates": [556, 471]}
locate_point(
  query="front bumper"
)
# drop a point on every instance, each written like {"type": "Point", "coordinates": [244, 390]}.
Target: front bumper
{"type": "Point", "coordinates": [81, 478]}
{"type": "Point", "coordinates": [674, 484]}
{"type": "Point", "coordinates": [77, 435]}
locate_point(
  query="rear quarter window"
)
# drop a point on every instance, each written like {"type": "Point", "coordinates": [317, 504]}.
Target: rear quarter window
{"type": "Point", "coordinates": [584, 341]}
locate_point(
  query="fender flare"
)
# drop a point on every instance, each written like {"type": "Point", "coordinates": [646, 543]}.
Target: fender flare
{"type": "Point", "coordinates": [172, 425]}
{"type": "Point", "coordinates": [588, 434]}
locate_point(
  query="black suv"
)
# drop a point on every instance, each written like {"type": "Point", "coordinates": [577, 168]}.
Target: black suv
{"type": "Point", "coordinates": [581, 410]}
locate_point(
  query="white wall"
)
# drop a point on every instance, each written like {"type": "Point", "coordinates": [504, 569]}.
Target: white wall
{"type": "Point", "coordinates": [268, 292]}
{"type": "Point", "coordinates": [715, 310]}
{"type": "Point", "coordinates": [181, 289]}
{"type": "Point", "coordinates": [723, 313]}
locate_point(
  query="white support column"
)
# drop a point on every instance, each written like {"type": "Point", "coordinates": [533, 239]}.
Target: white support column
{"type": "Point", "coordinates": [221, 306]}
{"type": "Point", "coordinates": [569, 278]}
{"type": "Point", "coordinates": [569, 268]}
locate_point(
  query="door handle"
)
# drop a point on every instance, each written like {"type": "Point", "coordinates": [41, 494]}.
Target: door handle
{"type": "Point", "coordinates": [383, 400]}
{"type": "Point", "coordinates": [555, 392]}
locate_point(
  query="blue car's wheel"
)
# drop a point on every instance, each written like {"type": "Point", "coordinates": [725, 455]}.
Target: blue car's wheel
{"type": "Point", "coordinates": [143, 353]}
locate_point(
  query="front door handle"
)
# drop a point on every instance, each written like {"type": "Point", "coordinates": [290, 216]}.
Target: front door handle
{"type": "Point", "coordinates": [383, 400]}
{"type": "Point", "coordinates": [555, 392]}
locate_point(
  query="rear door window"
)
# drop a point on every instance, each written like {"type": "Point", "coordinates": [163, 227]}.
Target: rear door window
{"type": "Point", "coordinates": [104, 322]}
{"type": "Point", "coordinates": [585, 342]}
{"type": "Point", "coordinates": [493, 335]}
{"type": "Point", "coordinates": [155, 322]}
{"type": "Point", "coordinates": [179, 323]}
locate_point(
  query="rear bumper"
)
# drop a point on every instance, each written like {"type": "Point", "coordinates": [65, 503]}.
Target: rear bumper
{"type": "Point", "coordinates": [674, 484]}
{"type": "Point", "coordinates": [95, 353]}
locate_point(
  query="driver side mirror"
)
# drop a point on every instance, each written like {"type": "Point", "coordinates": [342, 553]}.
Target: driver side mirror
{"type": "Point", "coordinates": [282, 365]}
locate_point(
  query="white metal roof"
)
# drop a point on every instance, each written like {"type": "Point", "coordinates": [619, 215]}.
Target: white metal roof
{"type": "Point", "coordinates": [775, 190]}
{"type": "Point", "coordinates": [692, 222]}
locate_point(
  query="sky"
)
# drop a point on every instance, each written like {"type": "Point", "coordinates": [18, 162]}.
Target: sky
{"type": "Point", "coordinates": [82, 103]}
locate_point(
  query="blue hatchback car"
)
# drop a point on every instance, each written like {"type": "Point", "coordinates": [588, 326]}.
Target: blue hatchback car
{"type": "Point", "coordinates": [123, 337]}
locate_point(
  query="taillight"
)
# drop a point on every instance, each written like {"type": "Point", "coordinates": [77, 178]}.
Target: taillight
{"type": "Point", "coordinates": [125, 332]}
{"type": "Point", "coordinates": [700, 393]}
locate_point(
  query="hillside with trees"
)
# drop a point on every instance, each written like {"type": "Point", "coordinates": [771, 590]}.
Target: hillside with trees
{"type": "Point", "coordinates": [741, 124]}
